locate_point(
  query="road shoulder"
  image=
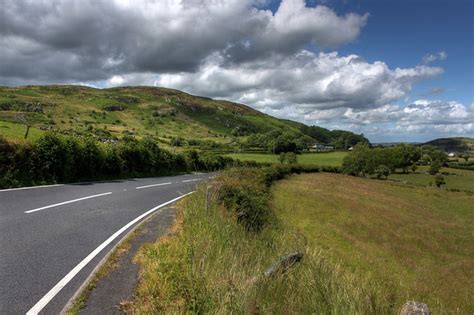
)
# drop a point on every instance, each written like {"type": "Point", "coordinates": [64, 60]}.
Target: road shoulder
{"type": "Point", "coordinates": [117, 278]}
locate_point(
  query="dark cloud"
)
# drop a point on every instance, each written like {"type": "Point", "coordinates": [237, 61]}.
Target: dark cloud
{"type": "Point", "coordinates": [91, 40]}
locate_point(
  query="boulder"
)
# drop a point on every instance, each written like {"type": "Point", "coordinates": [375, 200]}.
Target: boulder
{"type": "Point", "coordinates": [415, 308]}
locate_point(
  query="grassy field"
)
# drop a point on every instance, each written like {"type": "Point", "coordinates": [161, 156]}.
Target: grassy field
{"type": "Point", "coordinates": [369, 245]}
{"type": "Point", "coordinates": [16, 132]}
{"type": "Point", "coordinates": [323, 159]}
{"type": "Point", "coordinates": [417, 243]}
{"type": "Point", "coordinates": [454, 178]}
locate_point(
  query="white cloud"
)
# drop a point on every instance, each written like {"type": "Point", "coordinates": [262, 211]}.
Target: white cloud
{"type": "Point", "coordinates": [427, 59]}
{"type": "Point", "coordinates": [429, 117]}
{"type": "Point", "coordinates": [305, 82]}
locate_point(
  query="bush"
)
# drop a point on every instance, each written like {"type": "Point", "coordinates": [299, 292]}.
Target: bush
{"type": "Point", "coordinates": [382, 171]}
{"type": "Point", "coordinates": [291, 157]}
{"type": "Point", "coordinates": [435, 167]}
{"type": "Point", "coordinates": [439, 181]}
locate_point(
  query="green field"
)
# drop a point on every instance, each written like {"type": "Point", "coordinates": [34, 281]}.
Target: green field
{"type": "Point", "coordinates": [323, 159]}
{"type": "Point", "coordinates": [454, 178]}
{"type": "Point", "coordinates": [415, 242]}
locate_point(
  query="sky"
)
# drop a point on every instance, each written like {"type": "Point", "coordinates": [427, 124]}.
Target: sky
{"type": "Point", "coordinates": [395, 70]}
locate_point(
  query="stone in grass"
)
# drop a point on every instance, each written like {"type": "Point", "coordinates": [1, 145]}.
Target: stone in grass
{"type": "Point", "coordinates": [284, 264]}
{"type": "Point", "coordinates": [415, 308]}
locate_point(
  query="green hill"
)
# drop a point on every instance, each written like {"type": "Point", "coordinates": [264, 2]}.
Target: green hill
{"type": "Point", "coordinates": [161, 113]}
{"type": "Point", "coordinates": [459, 144]}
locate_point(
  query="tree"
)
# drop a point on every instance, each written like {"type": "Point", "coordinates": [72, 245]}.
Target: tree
{"type": "Point", "coordinates": [439, 180]}
{"type": "Point", "coordinates": [382, 171]}
{"type": "Point", "coordinates": [282, 157]}
{"type": "Point", "coordinates": [465, 157]}
{"type": "Point", "coordinates": [435, 167]}
{"type": "Point", "coordinates": [292, 158]}
{"type": "Point", "coordinates": [360, 161]}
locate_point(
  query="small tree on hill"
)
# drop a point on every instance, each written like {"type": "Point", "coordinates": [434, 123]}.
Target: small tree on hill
{"type": "Point", "coordinates": [23, 119]}
{"type": "Point", "coordinates": [465, 157]}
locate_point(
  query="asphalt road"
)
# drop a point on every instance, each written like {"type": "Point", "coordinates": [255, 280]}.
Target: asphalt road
{"type": "Point", "coordinates": [47, 232]}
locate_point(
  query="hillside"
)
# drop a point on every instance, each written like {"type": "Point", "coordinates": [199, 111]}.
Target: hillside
{"type": "Point", "coordinates": [453, 144]}
{"type": "Point", "coordinates": [140, 111]}
{"type": "Point", "coordinates": [161, 113]}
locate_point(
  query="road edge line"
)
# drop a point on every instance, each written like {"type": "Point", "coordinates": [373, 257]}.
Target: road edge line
{"type": "Point", "coordinates": [30, 187]}
{"type": "Point", "coordinates": [96, 269]}
{"type": "Point", "coordinates": [39, 306]}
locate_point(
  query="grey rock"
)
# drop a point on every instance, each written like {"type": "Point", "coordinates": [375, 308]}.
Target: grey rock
{"type": "Point", "coordinates": [415, 308]}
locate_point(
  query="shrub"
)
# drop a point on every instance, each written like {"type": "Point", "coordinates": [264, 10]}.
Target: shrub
{"type": "Point", "coordinates": [291, 157]}
{"type": "Point", "coordinates": [439, 181]}
{"type": "Point", "coordinates": [435, 167]}
{"type": "Point", "coordinates": [382, 171]}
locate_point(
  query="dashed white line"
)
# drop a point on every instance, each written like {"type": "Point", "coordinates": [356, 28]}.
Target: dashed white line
{"type": "Point", "coordinates": [154, 185]}
{"type": "Point", "coordinates": [66, 202]}
{"type": "Point", "coordinates": [31, 187]}
{"type": "Point", "coordinates": [64, 281]}
{"type": "Point", "coordinates": [191, 180]}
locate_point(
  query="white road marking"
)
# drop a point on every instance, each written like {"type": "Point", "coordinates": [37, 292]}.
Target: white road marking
{"type": "Point", "coordinates": [66, 202]}
{"type": "Point", "coordinates": [64, 281]}
{"type": "Point", "coordinates": [31, 187]}
{"type": "Point", "coordinates": [191, 180]}
{"type": "Point", "coordinates": [154, 185]}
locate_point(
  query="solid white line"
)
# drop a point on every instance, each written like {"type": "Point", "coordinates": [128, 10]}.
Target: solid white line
{"type": "Point", "coordinates": [141, 187]}
{"type": "Point", "coordinates": [191, 180]}
{"type": "Point", "coordinates": [31, 187]}
{"type": "Point", "coordinates": [66, 202]}
{"type": "Point", "coordinates": [64, 281]}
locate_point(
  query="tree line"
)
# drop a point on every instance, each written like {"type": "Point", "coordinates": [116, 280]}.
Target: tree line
{"type": "Point", "coordinates": [382, 161]}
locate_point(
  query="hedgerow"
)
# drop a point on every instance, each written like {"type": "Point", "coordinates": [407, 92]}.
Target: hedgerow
{"type": "Point", "coordinates": [56, 158]}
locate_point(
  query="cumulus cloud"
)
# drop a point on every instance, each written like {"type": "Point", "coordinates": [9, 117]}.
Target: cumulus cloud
{"type": "Point", "coordinates": [430, 58]}
{"type": "Point", "coordinates": [62, 40]}
{"type": "Point", "coordinates": [306, 82]}
{"type": "Point", "coordinates": [423, 116]}
{"type": "Point", "coordinates": [232, 49]}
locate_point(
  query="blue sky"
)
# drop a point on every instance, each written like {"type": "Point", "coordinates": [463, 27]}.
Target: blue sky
{"type": "Point", "coordinates": [393, 70]}
{"type": "Point", "coordinates": [402, 32]}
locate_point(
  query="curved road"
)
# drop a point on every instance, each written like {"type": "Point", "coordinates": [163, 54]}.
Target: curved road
{"type": "Point", "coordinates": [51, 237]}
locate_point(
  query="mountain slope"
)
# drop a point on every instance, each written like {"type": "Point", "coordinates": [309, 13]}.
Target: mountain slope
{"type": "Point", "coordinates": [139, 111]}
{"type": "Point", "coordinates": [165, 114]}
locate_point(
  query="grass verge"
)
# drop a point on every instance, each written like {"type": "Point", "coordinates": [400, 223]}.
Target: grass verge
{"type": "Point", "coordinates": [216, 259]}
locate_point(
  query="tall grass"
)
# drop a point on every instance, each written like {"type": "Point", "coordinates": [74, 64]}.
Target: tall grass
{"type": "Point", "coordinates": [212, 263]}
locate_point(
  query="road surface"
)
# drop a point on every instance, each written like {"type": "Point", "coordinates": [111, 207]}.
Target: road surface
{"type": "Point", "coordinates": [51, 237]}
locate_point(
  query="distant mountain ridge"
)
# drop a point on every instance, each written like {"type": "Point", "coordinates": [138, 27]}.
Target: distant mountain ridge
{"type": "Point", "coordinates": [455, 144]}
